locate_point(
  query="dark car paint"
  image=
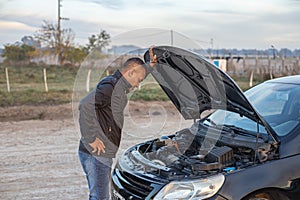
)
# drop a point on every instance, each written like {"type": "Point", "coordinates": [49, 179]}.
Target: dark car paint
{"type": "Point", "coordinates": [281, 173]}
{"type": "Point", "coordinates": [273, 174]}
{"type": "Point", "coordinates": [290, 145]}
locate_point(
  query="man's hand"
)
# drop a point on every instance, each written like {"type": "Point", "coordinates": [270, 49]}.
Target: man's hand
{"type": "Point", "coordinates": [153, 59]}
{"type": "Point", "coordinates": [98, 146]}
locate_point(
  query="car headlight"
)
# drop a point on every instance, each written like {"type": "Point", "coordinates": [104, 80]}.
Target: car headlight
{"type": "Point", "coordinates": [191, 189]}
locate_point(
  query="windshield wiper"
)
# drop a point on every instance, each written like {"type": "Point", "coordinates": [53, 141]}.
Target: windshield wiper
{"type": "Point", "coordinates": [210, 121]}
{"type": "Point", "coordinates": [241, 131]}
{"type": "Point", "coordinates": [236, 130]}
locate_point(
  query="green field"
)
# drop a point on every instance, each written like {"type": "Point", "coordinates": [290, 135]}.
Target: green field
{"type": "Point", "coordinates": [27, 85]}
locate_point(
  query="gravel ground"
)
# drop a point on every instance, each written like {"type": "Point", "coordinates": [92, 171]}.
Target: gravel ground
{"type": "Point", "coordinates": [39, 157]}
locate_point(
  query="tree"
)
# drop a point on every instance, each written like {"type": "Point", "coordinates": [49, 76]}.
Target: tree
{"type": "Point", "coordinates": [76, 55]}
{"type": "Point", "coordinates": [98, 41]}
{"type": "Point", "coordinates": [18, 53]}
{"type": "Point", "coordinates": [48, 36]}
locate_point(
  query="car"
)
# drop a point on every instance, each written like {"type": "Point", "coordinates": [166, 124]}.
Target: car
{"type": "Point", "coordinates": [240, 145]}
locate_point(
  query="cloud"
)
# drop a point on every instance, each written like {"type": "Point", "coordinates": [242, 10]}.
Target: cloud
{"type": "Point", "coordinates": [10, 32]}
{"type": "Point", "coordinates": [29, 20]}
{"type": "Point", "coordinates": [229, 23]}
{"type": "Point", "coordinates": [111, 4]}
{"type": "Point", "coordinates": [133, 4]}
{"type": "Point", "coordinates": [11, 25]}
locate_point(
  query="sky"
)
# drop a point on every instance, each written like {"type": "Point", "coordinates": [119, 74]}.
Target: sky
{"type": "Point", "coordinates": [237, 24]}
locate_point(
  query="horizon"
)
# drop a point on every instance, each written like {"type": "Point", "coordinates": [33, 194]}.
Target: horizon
{"type": "Point", "coordinates": [211, 24]}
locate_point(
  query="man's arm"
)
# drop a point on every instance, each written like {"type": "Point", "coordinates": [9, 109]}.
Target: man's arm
{"type": "Point", "coordinates": [153, 60]}
{"type": "Point", "coordinates": [87, 120]}
{"type": "Point", "coordinates": [102, 99]}
{"type": "Point", "coordinates": [90, 128]}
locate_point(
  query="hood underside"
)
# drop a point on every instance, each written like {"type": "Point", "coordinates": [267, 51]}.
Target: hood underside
{"type": "Point", "coordinates": [194, 84]}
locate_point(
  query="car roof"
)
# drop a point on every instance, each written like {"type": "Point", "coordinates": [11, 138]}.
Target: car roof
{"type": "Point", "coordinates": [287, 79]}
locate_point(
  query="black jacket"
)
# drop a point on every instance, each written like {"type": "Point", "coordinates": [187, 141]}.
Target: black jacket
{"type": "Point", "coordinates": [101, 114]}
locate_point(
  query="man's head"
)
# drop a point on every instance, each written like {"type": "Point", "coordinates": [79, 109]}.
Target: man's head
{"type": "Point", "coordinates": [134, 71]}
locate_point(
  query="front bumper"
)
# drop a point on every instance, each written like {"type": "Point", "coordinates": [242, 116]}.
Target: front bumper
{"type": "Point", "coordinates": [133, 187]}
{"type": "Point", "coordinates": [130, 186]}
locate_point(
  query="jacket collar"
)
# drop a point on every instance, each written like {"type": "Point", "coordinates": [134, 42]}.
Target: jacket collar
{"type": "Point", "coordinates": [124, 83]}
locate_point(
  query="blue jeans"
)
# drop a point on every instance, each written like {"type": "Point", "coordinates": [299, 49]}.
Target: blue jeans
{"type": "Point", "coordinates": [98, 174]}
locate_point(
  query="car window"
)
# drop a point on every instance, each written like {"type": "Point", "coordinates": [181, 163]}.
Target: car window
{"type": "Point", "coordinates": [268, 99]}
{"type": "Point", "coordinates": [279, 104]}
{"type": "Point", "coordinates": [225, 117]}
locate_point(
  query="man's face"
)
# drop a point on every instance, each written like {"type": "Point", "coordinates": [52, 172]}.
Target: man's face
{"type": "Point", "coordinates": [137, 76]}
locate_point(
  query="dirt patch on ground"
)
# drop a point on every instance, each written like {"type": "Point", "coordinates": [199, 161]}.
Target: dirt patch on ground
{"type": "Point", "coordinates": [64, 111]}
{"type": "Point", "coordinates": [21, 113]}
{"type": "Point", "coordinates": [39, 157]}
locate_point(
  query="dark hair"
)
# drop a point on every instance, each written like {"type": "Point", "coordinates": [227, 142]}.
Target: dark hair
{"type": "Point", "coordinates": [131, 61]}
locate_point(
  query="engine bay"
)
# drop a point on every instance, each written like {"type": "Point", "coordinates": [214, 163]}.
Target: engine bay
{"type": "Point", "coordinates": [190, 153]}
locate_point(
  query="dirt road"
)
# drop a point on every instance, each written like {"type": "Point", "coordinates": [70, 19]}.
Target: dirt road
{"type": "Point", "coordinates": [39, 157]}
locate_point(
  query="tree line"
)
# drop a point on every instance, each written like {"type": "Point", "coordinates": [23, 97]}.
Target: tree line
{"type": "Point", "coordinates": [50, 40]}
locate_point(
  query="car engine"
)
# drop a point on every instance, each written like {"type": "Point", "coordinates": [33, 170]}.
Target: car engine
{"type": "Point", "coordinates": [190, 153]}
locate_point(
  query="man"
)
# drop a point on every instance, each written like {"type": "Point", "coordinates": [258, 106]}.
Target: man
{"type": "Point", "coordinates": [101, 121]}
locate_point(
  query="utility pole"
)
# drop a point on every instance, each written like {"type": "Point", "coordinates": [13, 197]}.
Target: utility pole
{"type": "Point", "coordinates": [59, 18]}
{"type": "Point", "coordinates": [212, 47]}
{"type": "Point", "coordinates": [58, 35]}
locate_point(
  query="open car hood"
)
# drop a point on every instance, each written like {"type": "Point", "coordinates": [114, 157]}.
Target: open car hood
{"type": "Point", "coordinates": [194, 84]}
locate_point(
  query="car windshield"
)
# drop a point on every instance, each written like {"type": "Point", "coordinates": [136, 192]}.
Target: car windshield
{"type": "Point", "coordinates": [277, 103]}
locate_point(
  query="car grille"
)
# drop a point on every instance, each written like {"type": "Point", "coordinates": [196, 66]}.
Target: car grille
{"type": "Point", "coordinates": [116, 196]}
{"type": "Point", "coordinates": [133, 185]}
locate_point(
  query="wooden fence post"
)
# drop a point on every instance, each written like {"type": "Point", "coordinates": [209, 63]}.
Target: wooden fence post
{"type": "Point", "coordinates": [256, 65]}
{"type": "Point", "coordinates": [244, 65]}
{"type": "Point", "coordinates": [88, 80]}
{"type": "Point", "coordinates": [251, 79]}
{"type": "Point", "coordinates": [7, 79]}
{"type": "Point", "coordinates": [269, 65]}
{"type": "Point", "coordinates": [231, 64]}
{"type": "Point", "coordinates": [282, 65]}
{"type": "Point", "coordinates": [45, 80]}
